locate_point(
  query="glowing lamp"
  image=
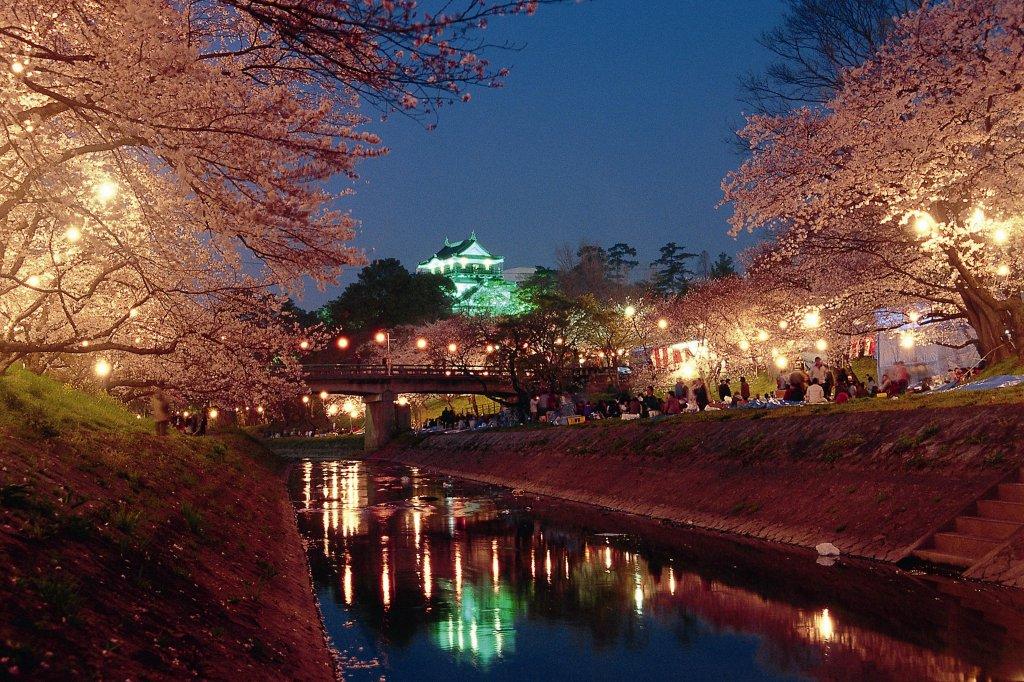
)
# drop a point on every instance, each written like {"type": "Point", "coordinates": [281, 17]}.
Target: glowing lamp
{"type": "Point", "coordinates": [323, 395]}
{"type": "Point", "coordinates": [332, 410]}
{"type": "Point", "coordinates": [663, 323]}
{"type": "Point", "coordinates": [1000, 235]}
{"type": "Point", "coordinates": [214, 413]}
{"type": "Point", "coordinates": [924, 224]}
{"type": "Point", "coordinates": [102, 368]}
{"type": "Point", "coordinates": [73, 234]}
{"type": "Point", "coordinates": [402, 400]}
{"type": "Point", "coordinates": [781, 362]}
{"type": "Point", "coordinates": [489, 349]}
{"type": "Point", "coordinates": [688, 370]}
{"type": "Point", "coordinates": [305, 400]}
{"type": "Point", "coordinates": [452, 347]}
{"type": "Point", "coordinates": [259, 408]}
{"type": "Point", "coordinates": [744, 345]}
{"type": "Point", "coordinates": [629, 311]}
{"type": "Point", "coordinates": [380, 337]}
{"type": "Point", "coordinates": [914, 316]}
{"type": "Point", "coordinates": [17, 67]}
{"type": "Point", "coordinates": [304, 345]}
{"type": "Point", "coordinates": [559, 341]}
{"type": "Point", "coordinates": [812, 319]}
{"type": "Point", "coordinates": [421, 343]}
{"type": "Point", "coordinates": [133, 312]}
{"type": "Point", "coordinates": [762, 336]}
{"type": "Point", "coordinates": [341, 343]}
{"type": "Point", "coordinates": [906, 340]}
{"type": "Point", "coordinates": [1003, 270]}
{"type": "Point", "coordinates": [105, 191]}
{"type": "Point", "coordinates": [821, 345]}
{"type": "Point", "coordinates": [348, 407]}
{"type": "Point", "coordinates": [33, 281]}
{"type": "Point", "coordinates": [783, 324]}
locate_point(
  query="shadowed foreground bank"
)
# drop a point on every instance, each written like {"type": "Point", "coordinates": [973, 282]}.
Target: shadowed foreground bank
{"type": "Point", "coordinates": [130, 556]}
{"type": "Point", "coordinates": [873, 483]}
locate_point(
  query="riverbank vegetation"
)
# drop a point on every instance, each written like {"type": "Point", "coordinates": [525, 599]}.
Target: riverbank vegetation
{"type": "Point", "coordinates": [131, 556]}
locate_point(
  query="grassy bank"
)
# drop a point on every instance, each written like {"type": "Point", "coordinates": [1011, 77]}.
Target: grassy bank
{"type": "Point", "coordinates": [130, 556]}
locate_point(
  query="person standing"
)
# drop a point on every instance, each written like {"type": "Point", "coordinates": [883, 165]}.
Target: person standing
{"type": "Point", "coordinates": [161, 411]}
{"type": "Point", "coordinates": [744, 389]}
{"type": "Point", "coordinates": [700, 395]}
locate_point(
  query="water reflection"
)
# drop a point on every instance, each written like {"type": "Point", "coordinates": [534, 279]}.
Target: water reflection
{"type": "Point", "coordinates": [422, 578]}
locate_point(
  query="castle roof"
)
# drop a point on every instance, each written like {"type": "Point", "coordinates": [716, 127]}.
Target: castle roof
{"type": "Point", "coordinates": [467, 247]}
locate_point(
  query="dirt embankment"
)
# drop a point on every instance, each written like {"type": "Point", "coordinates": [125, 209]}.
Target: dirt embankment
{"type": "Point", "coordinates": [128, 556]}
{"type": "Point", "coordinates": [872, 483]}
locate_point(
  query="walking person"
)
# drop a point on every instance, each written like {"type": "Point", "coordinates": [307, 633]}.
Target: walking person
{"type": "Point", "coordinates": [161, 411]}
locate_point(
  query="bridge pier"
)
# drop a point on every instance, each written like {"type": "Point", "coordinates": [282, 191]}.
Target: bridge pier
{"type": "Point", "coordinates": [379, 424]}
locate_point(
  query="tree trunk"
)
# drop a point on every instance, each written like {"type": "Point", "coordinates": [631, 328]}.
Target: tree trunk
{"type": "Point", "coordinates": [991, 324]}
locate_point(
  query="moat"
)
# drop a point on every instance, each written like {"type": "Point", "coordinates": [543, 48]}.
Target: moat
{"type": "Point", "coordinates": [427, 577]}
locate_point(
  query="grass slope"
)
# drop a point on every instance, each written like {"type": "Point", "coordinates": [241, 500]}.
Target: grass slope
{"type": "Point", "coordinates": [130, 556]}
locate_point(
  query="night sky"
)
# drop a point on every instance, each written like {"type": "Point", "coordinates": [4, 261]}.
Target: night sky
{"type": "Point", "coordinates": [614, 125]}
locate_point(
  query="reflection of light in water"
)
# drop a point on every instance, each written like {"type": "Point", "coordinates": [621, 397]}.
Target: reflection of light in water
{"type": "Point", "coordinates": [608, 558]}
{"type": "Point", "coordinates": [547, 564]}
{"type": "Point", "coordinates": [533, 563]}
{"type": "Point", "coordinates": [824, 625]}
{"type": "Point", "coordinates": [334, 495]}
{"type": "Point", "coordinates": [566, 566]}
{"type": "Point", "coordinates": [638, 593]}
{"type": "Point", "coordinates": [586, 553]}
{"type": "Point", "coordinates": [474, 643]}
{"type": "Point", "coordinates": [347, 582]}
{"type": "Point", "coordinates": [385, 574]}
{"type": "Point", "coordinates": [671, 581]}
{"type": "Point", "coordinates": [427, 580]}
{"type": "Point", "coordinates": [495, 567]}
{"type": "Point", "coordinates": [351, 505]}
{"type": "Point", "coordinates": [458, 572]}
{"type": "Point", "coordinates": [498, 639]}
{"type": "Point", "coordinates": [307, 488]}
{"type": "Point", "coordinates": [325, 515]}
{"type": "Point", "coordinates": [416, 521]}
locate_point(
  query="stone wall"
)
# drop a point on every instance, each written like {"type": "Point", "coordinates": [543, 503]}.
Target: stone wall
{"type": "Point", "coordinates": [872, 483]}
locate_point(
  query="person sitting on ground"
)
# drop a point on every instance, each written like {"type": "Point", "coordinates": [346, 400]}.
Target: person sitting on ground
{"type": "Point", "coordinates": [870, 386]}
{"type": "Point", "coordinates": [794, 393]}
{"type": "Point", "coordinates": [815, 393]}
{"type": "Point", "coordinates": [651, 401]}
{"type": "Point", "coordinates": [724, 390]}
{"type": "Point", "coordinates": [672, 405]}
{"type": "Point", "coordinates": [887, 385]}
{"type": "Point", "coordinates": [635, 406]}
{"type": "Point", "coordinates": [843, 392]}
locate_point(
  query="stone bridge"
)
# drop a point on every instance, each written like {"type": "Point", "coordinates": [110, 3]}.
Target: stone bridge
{"type": "Point", "coordinates": [379, 384]}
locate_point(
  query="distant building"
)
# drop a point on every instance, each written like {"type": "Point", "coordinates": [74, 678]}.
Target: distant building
{"type": "Point", "coordinates": [520, 275]}
{"type": "Point", "coordinates": [480, 288]}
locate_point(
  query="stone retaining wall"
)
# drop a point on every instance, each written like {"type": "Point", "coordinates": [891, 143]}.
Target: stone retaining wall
{"type": "Point", "coordinates": [872, 483]}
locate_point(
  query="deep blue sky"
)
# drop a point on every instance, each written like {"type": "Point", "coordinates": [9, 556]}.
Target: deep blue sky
{"type": "Point", "coordinates": [613, 126]}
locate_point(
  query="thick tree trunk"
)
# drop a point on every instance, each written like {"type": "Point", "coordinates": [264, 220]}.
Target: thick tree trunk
{"type": "Point", "coordinates": [991, 324]}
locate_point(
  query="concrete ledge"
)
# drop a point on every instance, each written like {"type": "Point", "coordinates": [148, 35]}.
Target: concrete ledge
{"type": "Point", "coordinates": [872, 483]}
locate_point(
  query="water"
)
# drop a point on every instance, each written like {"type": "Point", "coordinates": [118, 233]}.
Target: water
{"type": "Point", "coordinates": [422, 577]}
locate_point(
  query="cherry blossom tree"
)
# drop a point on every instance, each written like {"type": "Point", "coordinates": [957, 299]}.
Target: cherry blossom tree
{"type": "Point", "coordinates": [903, 190]}
{"type": "Point", "coordinates": [163, 169]}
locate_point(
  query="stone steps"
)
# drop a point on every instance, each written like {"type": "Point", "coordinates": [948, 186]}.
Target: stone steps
{"type": "Point", "coordinates": [964, 545]}
{"type": "Point", "coordinates": [976, 533]}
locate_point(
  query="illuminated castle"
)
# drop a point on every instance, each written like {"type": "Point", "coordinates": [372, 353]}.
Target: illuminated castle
{"type": "Point", "coordinates": [480, 288]}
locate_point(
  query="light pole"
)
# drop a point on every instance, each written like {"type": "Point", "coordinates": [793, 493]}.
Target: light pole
{"type": "Point", "coordinates": [384, 338]}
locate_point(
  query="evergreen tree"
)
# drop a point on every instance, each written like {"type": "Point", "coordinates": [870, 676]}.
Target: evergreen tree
{"type": "Point", "coordinates": [722, 267]}
{"type": "Point", "coordinates": [621, 259]}
{"type": "Point", "coordinates": [672, 273]}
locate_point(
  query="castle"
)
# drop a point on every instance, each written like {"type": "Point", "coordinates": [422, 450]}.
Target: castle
{"type": "Point", "coordinates": [480, 287]}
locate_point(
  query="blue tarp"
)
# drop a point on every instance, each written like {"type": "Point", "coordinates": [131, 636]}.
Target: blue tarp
{"type": "Point", "coordinates": [992, 383]}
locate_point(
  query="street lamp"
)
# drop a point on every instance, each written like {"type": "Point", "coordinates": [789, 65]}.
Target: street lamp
{"type": "Point", "coordinates": [421, 343]}
{"type": "Point", "coordinates": [342, 342]}
{"type": "Point", "coordinates": [384, 338]}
